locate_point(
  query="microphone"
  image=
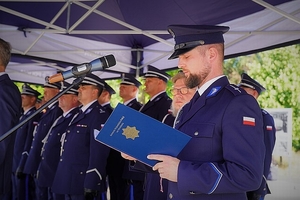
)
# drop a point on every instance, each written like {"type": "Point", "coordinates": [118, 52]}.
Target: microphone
{"type": "Point", "coordinates": [98, 64]}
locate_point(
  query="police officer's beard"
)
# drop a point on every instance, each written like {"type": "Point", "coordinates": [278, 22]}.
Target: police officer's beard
{"type": "Point", "coordinates": [194, 80]}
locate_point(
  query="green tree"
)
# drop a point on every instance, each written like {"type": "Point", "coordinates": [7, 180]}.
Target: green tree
{"type": "Point", "coordinates": [278, 71]}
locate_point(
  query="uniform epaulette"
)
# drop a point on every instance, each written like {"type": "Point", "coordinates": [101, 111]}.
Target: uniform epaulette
{"type": "Point", "coordinates": [264, 112]}
{"type": "Point", "coordinates": [235, 90]}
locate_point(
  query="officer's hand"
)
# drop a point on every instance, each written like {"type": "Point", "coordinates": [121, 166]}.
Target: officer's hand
{"type": "Point", "coordinates": [89, 194]}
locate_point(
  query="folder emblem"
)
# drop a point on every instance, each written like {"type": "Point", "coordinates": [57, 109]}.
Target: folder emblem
{"type": "Point", "coordinates": [130, 132]}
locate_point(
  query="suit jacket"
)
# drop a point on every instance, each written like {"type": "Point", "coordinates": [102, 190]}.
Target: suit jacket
{"type": "Point", "coordinates": [224, 158]}
{"type": "Point", "coordinates": [23, 140]}
{"type": "Point", "coordinates": [42, 129]}
{"type": "Point", "coordinates": [51, 149]}
{"type": "Point", "coordinates": [10, 106]}
{"type": "Point", "coordinates": [83, 159]}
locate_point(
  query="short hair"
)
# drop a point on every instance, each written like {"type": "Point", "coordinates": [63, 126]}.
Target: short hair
{"type": "Point", "coordinates": [178, 76]}
{"type": "Point", "coordinates": [5, 52]}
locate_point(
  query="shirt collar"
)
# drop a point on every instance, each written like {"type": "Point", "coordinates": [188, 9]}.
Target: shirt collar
{"type": "Point", "coordinates": [206, 85]}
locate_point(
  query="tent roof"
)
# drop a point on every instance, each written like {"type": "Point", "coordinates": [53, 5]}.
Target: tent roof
{"type": "Point", "coordinates": [47, 36]}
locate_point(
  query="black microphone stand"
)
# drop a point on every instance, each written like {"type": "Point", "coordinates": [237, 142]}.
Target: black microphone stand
{"type": "Point", "coordinates": [77, 81]}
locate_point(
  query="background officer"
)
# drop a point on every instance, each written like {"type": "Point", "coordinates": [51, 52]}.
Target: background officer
{"type": "Point", "coordinates": [105, 97]}
{"type": "Point", "coordinates": [50, 153]}
{"type": "Point", "coordinates": [157, 107]}
{"type": "Point", "coordinates": [49, 115]}
{"type": "Point", "coordinates": [128, 91]}
{"type": "Point", "coordinates": [10, 107]}
{"type": "Point", "coordinates": [23, 141]}
{"type": "Point", "coordinates": [254, 88]}
{"type": "Point", "coordinates": [81, 171]}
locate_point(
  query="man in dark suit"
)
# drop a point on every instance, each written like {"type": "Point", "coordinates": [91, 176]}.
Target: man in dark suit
{"type": "Point", "coordinates": [51, 150]}
{"type": "Point", "coordinates": [10, 106]}
{"type": "Point", "coordinates": [128, 90]}
{"type": "Point", "coordinates": [22, 144]}
{"type": "Point", "coordinates": [254, 88]}
{"type": "Point", "coordinates": [49, 115]}
{"type": "Point", "coordinates": [81, 170]}
{"type": "Point", "coordinates": [224, 158]}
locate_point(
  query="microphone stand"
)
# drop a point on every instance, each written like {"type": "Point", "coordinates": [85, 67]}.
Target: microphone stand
{"type": "Point", "coordinates": [77, 81]}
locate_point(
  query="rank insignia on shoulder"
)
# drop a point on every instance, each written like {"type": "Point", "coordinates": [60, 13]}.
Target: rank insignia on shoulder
{"type": "Point", "coordinates": [213, 91]}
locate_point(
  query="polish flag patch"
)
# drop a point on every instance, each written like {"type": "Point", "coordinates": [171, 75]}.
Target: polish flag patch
{"type": "Point", "coordinates": [250, 121]}
{"type": "Point", "coordinates": [269, 128]}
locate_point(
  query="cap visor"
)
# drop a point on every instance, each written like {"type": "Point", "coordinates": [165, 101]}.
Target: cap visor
{"type": "Point", "coordinates": [178, 52]}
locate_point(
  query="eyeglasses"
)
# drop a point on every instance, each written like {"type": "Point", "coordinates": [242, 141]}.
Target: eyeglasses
{"type": "Point", "coordinates": [183, 90]}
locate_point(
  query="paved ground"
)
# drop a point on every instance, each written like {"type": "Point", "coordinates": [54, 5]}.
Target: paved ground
{"type": "Point", "coordinates": [287, 184]}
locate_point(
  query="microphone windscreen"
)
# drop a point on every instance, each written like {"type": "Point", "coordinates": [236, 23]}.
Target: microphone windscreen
{"type": "Point", "coordinates": [110, 60]}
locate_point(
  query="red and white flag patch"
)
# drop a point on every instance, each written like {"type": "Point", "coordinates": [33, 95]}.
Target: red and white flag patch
{"type": "Point", "coordinates": [250, 121]}
{"type": "Point", "coordinates": [269, 128]}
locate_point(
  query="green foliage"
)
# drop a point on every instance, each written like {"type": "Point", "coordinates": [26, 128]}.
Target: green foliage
{"type": "Point", "coordinates": [39, 88]}
{"type": "Point", "coordinates": [278, 71]}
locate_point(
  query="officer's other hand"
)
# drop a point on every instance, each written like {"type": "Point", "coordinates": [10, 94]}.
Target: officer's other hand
{"type": "Point", "coordinates": [89, 194]}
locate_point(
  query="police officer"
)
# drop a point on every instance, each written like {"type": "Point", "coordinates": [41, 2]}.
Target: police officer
{"type": "Point", "coordinates": [224, 157]}
{"type": "Point", "coordinates": [155, 86]}
{"type": "Point", "coordinates": [157, 107]}
{"type": "Point", "coordinates": [49, 115]}
{"type": "Point", "coordinates": [128, 90]}
{"type": "Point", "coordinates": [105, 97]}
{"type": "Point", "coordinates": [254, 88]}
{"type": "Point", "coordinates": [81, 170]}
{"type": "Point", "coordinates": [23, 141]}
{"type": "Point", "coordinates": [50, 153]}
{"type": "Point", "coordinates": [115, 162]}
{"type": "Point", "coordinates": [10, 107]}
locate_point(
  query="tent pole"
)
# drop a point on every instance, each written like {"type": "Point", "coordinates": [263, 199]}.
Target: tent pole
{"type": "Point", "coordinates": [275, 9]}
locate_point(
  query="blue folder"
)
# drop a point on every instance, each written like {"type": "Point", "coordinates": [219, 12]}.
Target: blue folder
{"type": "Point", "coordinates": [139, 135]}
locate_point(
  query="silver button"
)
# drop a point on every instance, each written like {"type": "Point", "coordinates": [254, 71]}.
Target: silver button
{"type": "Point", "coordinates": [191, 192]}
{"type": "Point", "coordinates": [196, 133]}
{"type": "Point", "coordinates": [171, 196]}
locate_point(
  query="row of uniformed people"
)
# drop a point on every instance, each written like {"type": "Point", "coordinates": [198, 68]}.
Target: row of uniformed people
{"type": "Point", "coordinates": [50, 140]}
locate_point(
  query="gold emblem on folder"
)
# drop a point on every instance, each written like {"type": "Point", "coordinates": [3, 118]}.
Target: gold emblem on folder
{"type": "Point", "coordinates": [130, 132]}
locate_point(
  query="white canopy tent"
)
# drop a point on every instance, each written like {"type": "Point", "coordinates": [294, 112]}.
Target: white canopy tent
{"type": "Point", "coordinates": [79, 31]}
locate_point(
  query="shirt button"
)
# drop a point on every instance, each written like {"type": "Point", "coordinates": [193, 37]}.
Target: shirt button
{"type": "Point", "coordinates": [171, 196]}
{"type": "Point", "coordinates": [196, 133]}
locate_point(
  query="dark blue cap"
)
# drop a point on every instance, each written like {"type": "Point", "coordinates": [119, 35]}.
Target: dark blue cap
{"type": "Point", "coordinates": [53, 85]}
{"type": "Point", "coordinates": [249, 82]}
{"type": "Point", "coordinates": [188, 37]}
{"type": "Point", "coordinates": [27, 90]}
{"type": "Point", "coordinates": [129, 79]}
{"type": "Point", "coordinates": [109, 89]}
{"type": "Point", "coordinates": [92, 79]}
{"type": "Point", "coordinates": [73, 90]}
{"type": "Point", "coordinates": [153, 72]}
